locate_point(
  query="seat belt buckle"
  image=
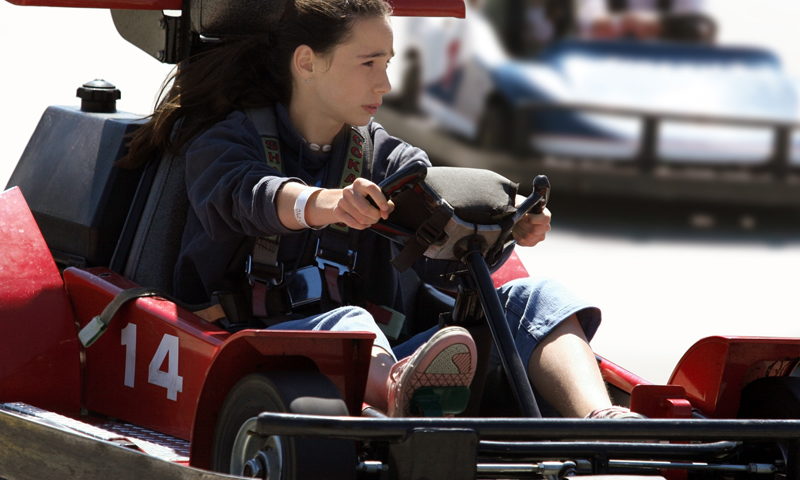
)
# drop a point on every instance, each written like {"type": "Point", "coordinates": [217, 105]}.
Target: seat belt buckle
{"type": "Point", "coordinates": [260, 273]}
{"type": "Point", "coordinates": [344, 263]}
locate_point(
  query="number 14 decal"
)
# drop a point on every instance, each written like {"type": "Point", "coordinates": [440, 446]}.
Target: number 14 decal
{"type": "Point", "coordinates": [167, 350]}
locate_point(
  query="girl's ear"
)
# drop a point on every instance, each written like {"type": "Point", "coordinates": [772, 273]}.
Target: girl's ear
{"type": "Point", "coordinates": [303, 62]}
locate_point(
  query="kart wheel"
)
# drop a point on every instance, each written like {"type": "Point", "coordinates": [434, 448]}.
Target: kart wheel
{"type": "Point", "coordinates": [238, 451]}
{"type": "Point", "coordinates": [496, 128]}
{"type": "Point", "coordinates": [771, 397]}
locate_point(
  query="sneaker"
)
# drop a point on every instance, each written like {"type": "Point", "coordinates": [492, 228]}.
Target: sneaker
{"type": "Point", "coordinates": [448, 359]}
{"type": "Point", "coordinates": [614, 412]}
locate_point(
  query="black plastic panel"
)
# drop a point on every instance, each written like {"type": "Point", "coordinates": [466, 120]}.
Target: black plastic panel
{"type": "Point", "coordinates": [68, 176]}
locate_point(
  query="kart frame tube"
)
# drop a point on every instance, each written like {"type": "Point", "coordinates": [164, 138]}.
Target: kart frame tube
{"type": "Point", "coordinates": [630, 450]}
{"type": "Point", "coordinates": [501, 333]}
{"type": "Point", "coordinates": [395, 429]}
{"type": "Point", "coordinates": [402, 434]}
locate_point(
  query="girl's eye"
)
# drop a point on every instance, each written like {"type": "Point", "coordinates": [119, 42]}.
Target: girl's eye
{"type": "Point", "coordinates": [369, 63]}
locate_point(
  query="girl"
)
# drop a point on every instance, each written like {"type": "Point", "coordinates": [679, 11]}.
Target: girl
{"type": "Point", "coordinates": [267, 125]}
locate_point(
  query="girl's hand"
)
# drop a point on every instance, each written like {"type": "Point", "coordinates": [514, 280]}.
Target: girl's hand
{"type": "Point", "coordinates": [532, 228]}
{"type": "Point", "coordinates": [354, 209]}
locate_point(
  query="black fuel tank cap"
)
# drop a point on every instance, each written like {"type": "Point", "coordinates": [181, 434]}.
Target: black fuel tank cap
{"type": "Point", "coordinates": [99, 96]}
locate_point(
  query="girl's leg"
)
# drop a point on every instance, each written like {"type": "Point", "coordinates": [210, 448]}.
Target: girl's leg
{"type": "Point", "coordinates": [564, 371]}
{"type": "Point", "coordinates": [377, 392]}
{"type": "Point", "coordinates": [551, 328]}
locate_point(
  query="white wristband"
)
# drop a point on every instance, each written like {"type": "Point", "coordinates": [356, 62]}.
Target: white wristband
{"type": "Point", "coordinates": [300, 207]}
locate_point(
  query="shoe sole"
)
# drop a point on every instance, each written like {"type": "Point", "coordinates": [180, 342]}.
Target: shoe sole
{"type": "Point", "coordinates": [453, 366]}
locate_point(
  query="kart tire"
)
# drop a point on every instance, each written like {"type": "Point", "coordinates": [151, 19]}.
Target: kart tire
{"type": "Point", "coordinates": [495, 131]}
{"type": "Point", "coordinates": [771, 397]}
{"type": "Point", "coordinates": [284, 458]}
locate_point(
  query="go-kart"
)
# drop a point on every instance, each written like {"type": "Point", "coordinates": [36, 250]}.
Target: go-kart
{"type": "Point", "coordinates": [102, 375]}
{"type": "Point", "coordinates": [649, 119]}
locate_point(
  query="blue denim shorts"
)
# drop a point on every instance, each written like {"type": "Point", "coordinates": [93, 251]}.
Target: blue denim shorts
{"type": "Point", "coordinates": [533, 307]}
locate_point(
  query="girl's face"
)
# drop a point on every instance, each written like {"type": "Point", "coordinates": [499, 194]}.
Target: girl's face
{"type": "Point", "coordinates": [349, 83]}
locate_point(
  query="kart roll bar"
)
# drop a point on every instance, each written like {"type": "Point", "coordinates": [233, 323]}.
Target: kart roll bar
{"type": "Point", "coordinates": [647, 156]}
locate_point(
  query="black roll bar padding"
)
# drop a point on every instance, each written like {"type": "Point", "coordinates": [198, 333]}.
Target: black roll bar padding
{"type": "Point", "coordinates": [501, 333]}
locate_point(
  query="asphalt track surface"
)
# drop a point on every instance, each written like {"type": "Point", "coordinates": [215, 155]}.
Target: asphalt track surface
{"type": "Point", "coordinates": [664, 275]}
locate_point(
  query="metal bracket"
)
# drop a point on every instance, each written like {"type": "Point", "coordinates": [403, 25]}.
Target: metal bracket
{"type": "Point", "coordinates": [420, 455]}
{"type": "Point", "coordinates": [163, 37]}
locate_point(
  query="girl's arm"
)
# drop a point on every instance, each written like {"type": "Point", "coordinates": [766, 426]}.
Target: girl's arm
{"type": "Point", "coordinates": [323, 207]}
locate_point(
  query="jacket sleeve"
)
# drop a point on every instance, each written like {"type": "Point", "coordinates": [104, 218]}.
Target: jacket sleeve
{"type": "Point", "coordinates": [391, 154]}
{"type": "Point", "coordinates": [231, 188]}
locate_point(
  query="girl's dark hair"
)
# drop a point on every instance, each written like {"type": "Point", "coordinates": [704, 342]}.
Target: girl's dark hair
{"type": "Point", "coordinates": [247, 72]}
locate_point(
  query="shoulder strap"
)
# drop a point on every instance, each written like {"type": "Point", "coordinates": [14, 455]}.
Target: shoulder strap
{"type": "Point", "coordinates": [336, 245]}
{"type": "Point", "coordinates": [267, 127]}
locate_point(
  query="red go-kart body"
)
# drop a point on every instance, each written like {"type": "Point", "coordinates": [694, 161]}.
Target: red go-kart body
{"type": "Point", "coordinates": [165, 371]}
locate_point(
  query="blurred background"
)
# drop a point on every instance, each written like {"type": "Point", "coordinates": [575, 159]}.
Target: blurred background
{"type": "Point", "coordinates": [692, 233]}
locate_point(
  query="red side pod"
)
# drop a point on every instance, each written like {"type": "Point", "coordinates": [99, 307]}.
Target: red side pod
{"type": "Point", "coordinates": [39, 356]}
{"type": "Point", "coordinates": [410, 8]}
{"type": "Point", "coordinates": [715, 369]}
{"type": "Point", "coordinates": [149, 366]}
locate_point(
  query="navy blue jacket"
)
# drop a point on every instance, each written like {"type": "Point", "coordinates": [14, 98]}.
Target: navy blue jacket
{"type": "Point", "coordinates": [232, 193]}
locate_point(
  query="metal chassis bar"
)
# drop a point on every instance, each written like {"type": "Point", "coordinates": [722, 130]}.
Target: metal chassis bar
{"type": "Point", "coordinates": [501, 333]}
{"type": "Point", "coordinates": [395, 429]}
{"type": "Point", "coordinates": [630, 450]}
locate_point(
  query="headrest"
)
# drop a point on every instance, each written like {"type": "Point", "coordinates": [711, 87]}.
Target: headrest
{"type": "Point", "coordinates": [220, 18]}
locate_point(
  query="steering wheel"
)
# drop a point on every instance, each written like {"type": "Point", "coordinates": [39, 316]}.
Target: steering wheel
{"type": "Point", "coordinates": [438, 208]}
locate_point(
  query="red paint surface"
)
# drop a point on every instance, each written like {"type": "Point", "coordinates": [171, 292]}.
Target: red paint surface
{"type": "Point", "coordinates": [715, 369]}
{"type": "Point", "coordinates": [511, 270]}
{"type": "Point", "coordinates": [210, 360]}
{"type": "Point", "coordinates": [39, 359]}
{"type": "Point", "coordinates": [418, 8]}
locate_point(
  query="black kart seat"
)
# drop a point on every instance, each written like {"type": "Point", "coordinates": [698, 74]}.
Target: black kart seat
{"type": "Point", "coordinates": [156, 229]}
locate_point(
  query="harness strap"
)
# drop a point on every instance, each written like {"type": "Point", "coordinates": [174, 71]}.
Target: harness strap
{"type": "Point", "coordinates": [99, 323]}
{"type": "Point", "coordinates": [336, 244]}
{"type": "Point", "coordinates": [429, 232]}
{"type": "Point", "coordinates": [336, 252]}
